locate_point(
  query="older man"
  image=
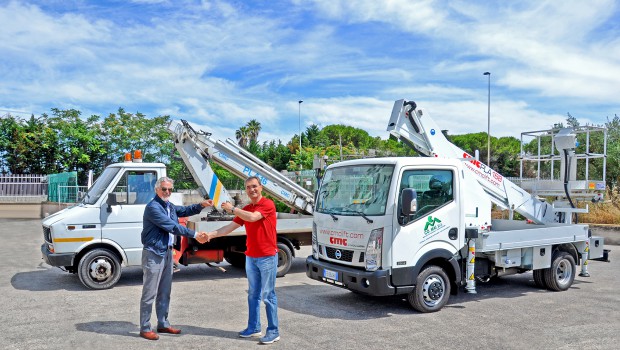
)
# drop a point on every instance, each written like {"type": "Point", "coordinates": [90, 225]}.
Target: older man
{"type": "Point", "coordinates": [161, 223]}
{"type": "Point", "coordinates": [261, 261]}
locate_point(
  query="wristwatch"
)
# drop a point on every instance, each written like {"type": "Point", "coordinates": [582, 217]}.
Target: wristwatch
{"type": "Point", "coordinates": [232, 211]}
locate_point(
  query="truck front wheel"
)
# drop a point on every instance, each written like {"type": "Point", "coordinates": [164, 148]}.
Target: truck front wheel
{"type": "Point", "coordinates": [561, 274]}
{"type": "Point", "coordinates": [431, 291]}
{"type": "Point", "coordinates": [99, 269]}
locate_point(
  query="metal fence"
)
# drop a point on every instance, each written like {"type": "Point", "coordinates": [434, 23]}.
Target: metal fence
{"type": "Point", "coordinates": [23, 188]}
{"type": "Point", "coordinates": [70, 194]}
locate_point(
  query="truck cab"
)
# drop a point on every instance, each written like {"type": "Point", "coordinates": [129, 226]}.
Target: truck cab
{"type": "Point", "coordinates": [102, 233]}
{"type": "Point", "coordinates": [378, 222]}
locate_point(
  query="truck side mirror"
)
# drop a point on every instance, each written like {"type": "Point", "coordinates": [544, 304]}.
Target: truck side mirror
{"type": "Point", "coordinates": [114, 200]}
{"type": "Point", "coordinates": [410, 201]}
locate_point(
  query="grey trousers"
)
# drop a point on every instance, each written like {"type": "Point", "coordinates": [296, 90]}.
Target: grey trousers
{"type": "Point", "coordinates": [156, 287]}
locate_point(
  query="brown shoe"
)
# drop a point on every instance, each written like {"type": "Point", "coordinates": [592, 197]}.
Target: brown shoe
{"type": "Point", "coordinates": [169, 330]}
{"type": "Point", "coordinates": [149, 335]}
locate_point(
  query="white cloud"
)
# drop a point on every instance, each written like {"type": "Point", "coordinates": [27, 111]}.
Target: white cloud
{"type": "Point", "coordinates": [220, 63]}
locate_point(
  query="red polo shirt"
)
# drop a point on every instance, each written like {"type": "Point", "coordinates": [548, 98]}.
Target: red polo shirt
{"type": "Point", "coordinates": [261, 235]}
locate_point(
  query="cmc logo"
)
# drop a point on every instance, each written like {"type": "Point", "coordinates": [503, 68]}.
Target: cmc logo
{"type": "Point", "coordinates": [340, 241]}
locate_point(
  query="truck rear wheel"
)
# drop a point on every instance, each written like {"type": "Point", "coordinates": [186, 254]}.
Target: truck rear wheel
{"type": "Point", "coordinates": [285, 259]}
{"type": "Point", "coordinates": [99, 269]}
{"type": "Point", "coordinates": [561, 274]}
{"type": "Point", "coordinates": [431, 291]}
{"type": "Point", "coordinates": [539, 278]}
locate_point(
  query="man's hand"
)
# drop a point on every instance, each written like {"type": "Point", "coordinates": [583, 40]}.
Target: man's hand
{"type": "Point", "coordinates": [202, 237]}
{"type": "Point", "coordinates": [212, 235]}
{"type": "Point", "coordinates": [207, 203]}
{"type": "Point", "coordinates": [227, 206]}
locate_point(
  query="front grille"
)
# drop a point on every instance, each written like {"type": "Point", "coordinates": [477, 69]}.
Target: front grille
{"type": "Point", "coordinates": [346, 255]}
{"type": "Point", "coordinates": [362, 257]}
{"type": "Point", "coordinates": [47, 234]}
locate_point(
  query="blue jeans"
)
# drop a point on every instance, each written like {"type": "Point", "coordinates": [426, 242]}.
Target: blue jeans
{"type": "Point", "coordinates": [261, 274]}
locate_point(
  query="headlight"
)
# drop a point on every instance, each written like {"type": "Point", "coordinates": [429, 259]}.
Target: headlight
{"type": "Point", "coordinates": [373, 250]}
{"type": "Point", "coordinates": [315, 242]}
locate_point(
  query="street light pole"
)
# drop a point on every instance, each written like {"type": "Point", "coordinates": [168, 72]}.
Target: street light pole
{"type": "Point", "coordinates": [489, 121]}
{"type": "Point", "coordinates": [299, 105]}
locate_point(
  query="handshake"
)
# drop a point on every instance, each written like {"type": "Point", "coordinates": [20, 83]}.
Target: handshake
{"type": "Point", "coordinates": [204, 237]}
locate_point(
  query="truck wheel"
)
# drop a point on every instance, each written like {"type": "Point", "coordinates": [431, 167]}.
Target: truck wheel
{"type": "Point", "coordinates": [431, 291]}
{"type": "Point", "coordinates": [285, 259]}
{"type": "Point", "coordinates": [561, 274]}
{"type": "Point", "coordinates": [539, 278]}
{"type": "Point", "coordinates": [235, 259]}
{"type": "Point", "coordinates": [99, 269]}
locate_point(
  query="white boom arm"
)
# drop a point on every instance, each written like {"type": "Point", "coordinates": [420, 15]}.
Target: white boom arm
{"type": "Point", "coordinates": [415, 128]}
{"type": "Point", "coordinates": [197, 149]}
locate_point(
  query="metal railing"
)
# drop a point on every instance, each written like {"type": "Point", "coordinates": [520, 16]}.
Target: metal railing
{"type": "Point", "coordinates": [23, 188]}
{"type": "Point", "coordinates": [71, 194]}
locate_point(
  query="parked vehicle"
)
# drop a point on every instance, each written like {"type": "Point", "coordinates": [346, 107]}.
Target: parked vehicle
{"type": "Point", "coordinates": [102, 234]}
{"type": "Point", "coordinates": [422, 226]}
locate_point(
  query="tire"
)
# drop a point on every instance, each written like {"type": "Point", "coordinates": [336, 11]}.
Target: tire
{"type": "Point", "coordinates": [99, 269]}
{"type": "Point", "coordinates": [285, 259]}
{"type": "Point", "coordinates": [235, 259]}
{"type": "Point", "coordinates": [432, 290]}
{"type": "Point", "coordinates": [539, 278]}
{"type": "Point", "coordinates": [560, 276]}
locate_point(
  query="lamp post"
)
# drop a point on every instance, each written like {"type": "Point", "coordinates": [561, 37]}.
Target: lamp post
{"type": "Point", "coordinates": [299, 111]}
{"type": "Point", "coordinates": [489, 120]}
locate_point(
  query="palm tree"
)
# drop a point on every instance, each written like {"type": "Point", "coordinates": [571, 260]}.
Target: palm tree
{"type": "Point", "coordinates": [242, 135]}
{"type": "Point", "coordinates": [254, 128]}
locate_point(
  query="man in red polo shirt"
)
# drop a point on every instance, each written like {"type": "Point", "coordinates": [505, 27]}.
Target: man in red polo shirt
{"type": "Point", "coordinates": [261, 261]}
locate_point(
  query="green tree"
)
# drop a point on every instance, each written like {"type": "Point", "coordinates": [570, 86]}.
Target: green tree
{"type": "Point", "coordinates": [79, 142]}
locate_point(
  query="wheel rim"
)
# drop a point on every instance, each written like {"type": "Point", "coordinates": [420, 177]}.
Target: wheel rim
{"type": "Point", "coordinates": [564, 272]}
{"type": "Point", "coordinates": [100, 269]}
{"type": "Point", "coordinates": [282, 259]}
{"type": "Point", "coordinates": [433, 290]}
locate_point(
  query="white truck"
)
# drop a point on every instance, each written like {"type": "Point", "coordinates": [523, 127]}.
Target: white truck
{"type": "Point", "coordinates": [422, 226]}
{"type": "Point", "coordinates": [98, 237]}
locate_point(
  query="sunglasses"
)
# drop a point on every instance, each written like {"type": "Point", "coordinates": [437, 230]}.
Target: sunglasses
{"type": "Point", "coordinates": [163, 189]}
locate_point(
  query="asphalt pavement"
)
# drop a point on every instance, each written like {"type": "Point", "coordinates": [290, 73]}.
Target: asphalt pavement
{"type": "Point", "coordinates": [43, 307]}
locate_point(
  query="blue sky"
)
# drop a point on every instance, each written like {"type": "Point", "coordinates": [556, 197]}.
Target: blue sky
{"type": "Point", "coordinates": [220, 64]}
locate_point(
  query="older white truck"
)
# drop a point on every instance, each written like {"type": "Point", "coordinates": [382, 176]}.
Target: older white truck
{"type": "Point", "coordinates": [98, 237]}
{"type": "Point", "coordinates": [422, 226]}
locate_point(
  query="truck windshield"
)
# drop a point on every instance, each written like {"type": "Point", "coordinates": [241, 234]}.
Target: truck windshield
{"type": "Point", "coordinates": [100, 185]}
{"type": "Point", "coordinates": [355, 190]}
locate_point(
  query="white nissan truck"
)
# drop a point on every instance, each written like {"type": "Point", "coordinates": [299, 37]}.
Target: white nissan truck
{"type": "Point", "coordinates": [422, 226]}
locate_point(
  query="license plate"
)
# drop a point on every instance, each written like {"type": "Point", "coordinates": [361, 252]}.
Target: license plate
{"type": "Point", "coordinates": [332, 275]}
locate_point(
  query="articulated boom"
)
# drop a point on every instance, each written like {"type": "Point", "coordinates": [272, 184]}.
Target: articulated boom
{"type": "Point", "coordinates": [416, 128]}
{"type": "Point", "coordinates": [197, 149]}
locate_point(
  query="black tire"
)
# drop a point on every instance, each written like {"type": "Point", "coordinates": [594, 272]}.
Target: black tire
{"type": "Point", "coordinates": [432, 290]}
{"type": "Point", "coordinates": [539, 278]}
{"type": "Point", "coordinates": [285, 259]}
{"type": "Point", "coordinates": [99, 269]}
{"type": "Point", "coordinates": [560, 276]}
{"type": "Point", "coordinates": [235, 259]}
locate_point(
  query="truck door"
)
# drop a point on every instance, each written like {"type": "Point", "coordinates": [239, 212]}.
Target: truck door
{"type": "Point", "coordinates": [121, 214]}
{"type": "Point", "coordinates": [435, 224]}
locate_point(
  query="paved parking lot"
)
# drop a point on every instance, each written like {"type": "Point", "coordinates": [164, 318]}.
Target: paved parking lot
{"type": "Point", "coordinates": [45, 308]}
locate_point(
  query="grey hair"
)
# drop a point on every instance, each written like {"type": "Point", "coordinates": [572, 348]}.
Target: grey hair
{"type": "Point", "coordinates": [163, 179]}
{"type": "Point", "coordinates": [253, 178]}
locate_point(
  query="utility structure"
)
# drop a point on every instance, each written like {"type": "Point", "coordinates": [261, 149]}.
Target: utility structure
{"type": "Point", "coordinates": [299, 112]}
{"type": "Point", "coordinates": [488, 119]}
